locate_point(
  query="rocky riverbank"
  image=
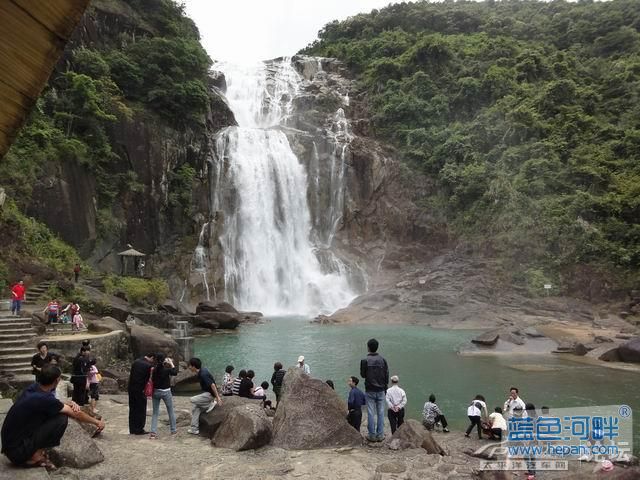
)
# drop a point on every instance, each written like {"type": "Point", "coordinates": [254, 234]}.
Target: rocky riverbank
{"type": "Point", "coordinates": [186, 457]}
{"type": "Point", "coordinates": [458, 291]}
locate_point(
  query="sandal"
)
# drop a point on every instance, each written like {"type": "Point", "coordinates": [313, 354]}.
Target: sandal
{"type": "Point", "coordinates": [152, 436]}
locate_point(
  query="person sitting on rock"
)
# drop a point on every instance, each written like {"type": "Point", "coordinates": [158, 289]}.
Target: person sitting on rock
{"type": "Point", "coordinates": [205, 400]}
{"type": "Point", "coordinates": [38, 420]}
{"type": "Point", "coordinates": [261, 391]}
{"type": "Point", "coordinates": [355, 403]}
{"type": "Point", "coordinates": [431, 415]}
{"type": "Point", "coordinates": [276, 380]}
{"type": "Point", "coordinates": [227, 382]}
{"type": "Point", "coordinates": [235, 387]}
{"type": "Point", "coordinates": [246, 385]}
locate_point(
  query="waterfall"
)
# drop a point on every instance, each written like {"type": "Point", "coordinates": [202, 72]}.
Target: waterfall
{"type": "Point", "coordinates": [270, 262]}
{"type": "Point", "coordinates": [199, 260]}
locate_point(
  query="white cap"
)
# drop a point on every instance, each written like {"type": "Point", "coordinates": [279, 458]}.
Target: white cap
{"type": "Point", "coordinates": [394, 379]}
{"type": "Point", "coordinates": [301, 359]}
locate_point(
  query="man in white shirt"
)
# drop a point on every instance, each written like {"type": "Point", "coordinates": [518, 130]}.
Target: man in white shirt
{"type": "Point", "coordinates": [305, 368]}
{"type": "Point", "coordinates": [396, 401]}
{"type": "Point", "coordinates": [513, 402]}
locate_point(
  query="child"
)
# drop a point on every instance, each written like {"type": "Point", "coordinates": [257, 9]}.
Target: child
{"type": "Point", "coordinates": [94, 384]}
{"type": "Point", "coordinates": [78, 323]}
{"type": "Point", "coordinates": [261, 391]}
{"type": "Point", "coordinates": [227, 381]}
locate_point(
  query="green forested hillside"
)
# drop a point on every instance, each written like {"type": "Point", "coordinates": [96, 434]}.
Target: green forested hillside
{"type": "Point", "coordinates": [127, 57]}
{"type": "Point", "coordinates": [527, 115]}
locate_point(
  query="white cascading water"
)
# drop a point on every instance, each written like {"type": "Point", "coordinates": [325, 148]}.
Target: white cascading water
{"type": "Point", "coordinates": [261, 187]}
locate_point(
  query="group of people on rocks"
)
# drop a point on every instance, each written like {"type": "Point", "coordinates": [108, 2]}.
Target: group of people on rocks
{"type": "Point", "coordinates": [150, 377]}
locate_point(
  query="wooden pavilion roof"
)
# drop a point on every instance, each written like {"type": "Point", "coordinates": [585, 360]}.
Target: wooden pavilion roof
{"type": "Point", "coordinates": [33, 34]}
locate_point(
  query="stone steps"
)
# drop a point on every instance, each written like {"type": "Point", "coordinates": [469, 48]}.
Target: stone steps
{"type": "Point", "coordinates": [16, 368]}
{"type": "Point", "coordinates": [17, 358]}
{"type": "Point", "coordinates": [15, 342]}
{"type": "Point", "coordinates": [20, 335]}
{"type": "Point", "coordinates": [15, 330]}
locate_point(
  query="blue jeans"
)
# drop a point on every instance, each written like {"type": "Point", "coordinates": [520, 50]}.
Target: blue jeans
{"type": "Point", "coordinates": [15, 306]}
{"type": "Point", "coordinates": [375, 408]}
{"type": "Point", "coordinates": [167, 398]}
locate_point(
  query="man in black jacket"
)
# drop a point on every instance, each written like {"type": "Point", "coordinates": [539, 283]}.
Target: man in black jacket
{"type": "Point", "coordinates": [375, 371]}
{"type": "Point", "coordinates": [140, 371]}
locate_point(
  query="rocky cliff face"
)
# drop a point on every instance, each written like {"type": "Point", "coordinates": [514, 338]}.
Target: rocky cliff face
{"type": "Point", "coordinates": [331, 132]}
{"type": "Point", "coordinates": [147, 148]}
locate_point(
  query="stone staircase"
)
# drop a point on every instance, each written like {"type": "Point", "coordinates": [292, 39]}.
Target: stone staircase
{"type": "Point", "coordinates": [37, 295]}
{"type": "Point", "coordinates": [17, 346]}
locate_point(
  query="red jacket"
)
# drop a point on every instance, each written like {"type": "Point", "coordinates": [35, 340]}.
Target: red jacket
{"type": "Point", "coordinates": [18, 292]}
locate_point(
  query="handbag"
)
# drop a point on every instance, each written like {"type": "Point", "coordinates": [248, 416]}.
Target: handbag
{"type": "Point", "coordinates": [148, 388]}
{"type": "Point", "coordinates": [98, 377]}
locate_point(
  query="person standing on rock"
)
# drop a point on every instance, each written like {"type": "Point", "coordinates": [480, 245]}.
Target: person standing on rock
{"type": "Point", "coordinates": [375, 371]}
{"type": "Point", "coordinates": [276, 380]}
{"type": "Point", "coordinates": [138, 378]}
{"type": "Point", "coordinates": [18, 292]}
{"type": "Point", "coordinates": [396, 401]}
{"type": "Point", "coordinates": [161, 376]}
{"type": "Point", "coordinates": [81, 366]}
{"type": "Point", "coordinates": [38, 420]}
{"type": "Point", "coordinates": [355, 402]}
{"type": "Point", "coordinates": [203, 401]}
{"type": "Point", "coordinates": [40, 359]}
{"type": "Point", "coordinates": [513, 401]}
{"type": "Point", "coordinates": [76, 272]}
{"type": "Point", "coordinates": [305, 368]}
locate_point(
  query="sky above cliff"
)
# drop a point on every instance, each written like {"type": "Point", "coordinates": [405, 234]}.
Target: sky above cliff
{"type": "Point", "coordinates": [245, 31]}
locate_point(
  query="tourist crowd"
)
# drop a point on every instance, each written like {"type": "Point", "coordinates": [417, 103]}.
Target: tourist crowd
{"type": "Point", "coordinates": [150, 377]}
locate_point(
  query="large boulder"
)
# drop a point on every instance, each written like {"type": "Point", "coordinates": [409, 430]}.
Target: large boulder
{"type": "Point", "coordinates": [106, 325]}
{"type": "Point", "coordinates": [630, 351]}
{"type": "Point", "coordinates": [311, 415]}
{"type": "Point", "coordinates": [246, 427]}
{"type": "Point", "coordinates": [109, 385]}
{"type": "Point", "coordinates": [77, 449]}
{"type": "Point", "coordinates": [208, 306]}
{"type": "Point", "coordinates": [211, 422]}
{"type": "Point", "coordinates": [145, 339]}
{"type": "Point", "coordinates": [225, 320]}
{"type": "Point", "coordinates": [411, 434]}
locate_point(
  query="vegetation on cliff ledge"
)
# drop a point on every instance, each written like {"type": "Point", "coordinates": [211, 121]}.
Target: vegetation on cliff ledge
{"type": "Point", "coordinates": [527, 114]}
{"type": "Point", "coordinates": [147, 60]}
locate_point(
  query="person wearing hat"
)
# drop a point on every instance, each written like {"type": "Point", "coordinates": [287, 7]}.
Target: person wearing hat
{"type": "Point", "coordinates": [396, 401]}
{"type": "Point", "coordinates": [305, 368]}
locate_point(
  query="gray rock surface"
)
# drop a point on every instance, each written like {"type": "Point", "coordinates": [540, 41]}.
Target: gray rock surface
{"type": "Point", "coordinates": [486, 339]}
{"type": "Point", "coordinates": [77, 449]}
{"type": "Point", "coordinates": [630, 351]}
{"type": "Point", "coordinates": [412, 434]}
{"type": "Point", "coordinates": [105, 325]}
{"type": "Point", "coordinates": [246, 427]}
{"type": "Point", "coordinates": [212, 421]}
{"type": "Point", "coordinates": [145, 339]}
{"type": "Point", "coordinates": [311, 415]}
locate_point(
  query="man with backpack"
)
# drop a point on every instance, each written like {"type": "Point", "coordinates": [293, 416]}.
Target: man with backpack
{"type": "Point", "coordinates": [375, 371]}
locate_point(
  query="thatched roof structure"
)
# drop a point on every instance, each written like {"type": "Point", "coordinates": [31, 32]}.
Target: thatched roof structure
{"type": "Point", "coordinates": [33, 34]}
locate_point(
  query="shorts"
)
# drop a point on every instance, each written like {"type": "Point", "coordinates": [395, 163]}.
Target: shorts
{"type": "Point", "coordinates": [94, 391]}
{"type": "Point", "coordinates": [53, 318]}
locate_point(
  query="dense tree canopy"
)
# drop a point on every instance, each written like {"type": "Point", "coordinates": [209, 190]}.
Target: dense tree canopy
{"type": "Point", "coordinates": [526, 113]}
